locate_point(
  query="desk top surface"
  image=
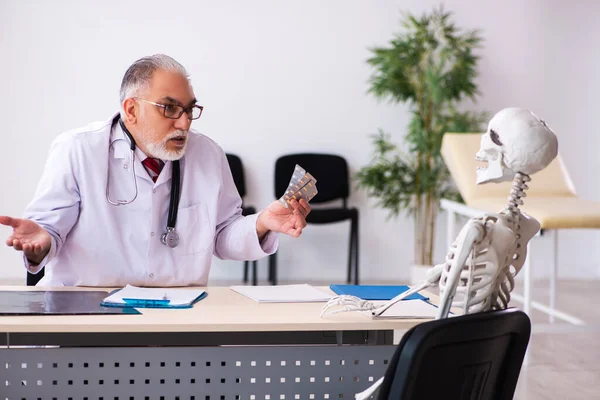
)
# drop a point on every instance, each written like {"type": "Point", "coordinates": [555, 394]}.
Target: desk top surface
{"type": "Point", "coordinates": [223, 310]}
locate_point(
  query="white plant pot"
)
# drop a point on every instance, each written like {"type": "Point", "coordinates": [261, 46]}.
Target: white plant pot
{"type": "Point", "coordinates": [418, 273]}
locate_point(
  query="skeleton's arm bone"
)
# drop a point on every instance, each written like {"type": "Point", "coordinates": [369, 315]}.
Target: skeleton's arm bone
{"type": "Point", "coordinates": [473, 232]}
{"type": "Point", "coordinates": [433, 276]}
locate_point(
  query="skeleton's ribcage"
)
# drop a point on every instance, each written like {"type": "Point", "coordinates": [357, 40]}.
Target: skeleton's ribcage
{"type": "Point", "coordinates": [485, 283]}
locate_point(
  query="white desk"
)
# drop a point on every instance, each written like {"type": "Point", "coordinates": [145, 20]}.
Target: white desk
{"type": "Point", "coordinates": [225, 347]}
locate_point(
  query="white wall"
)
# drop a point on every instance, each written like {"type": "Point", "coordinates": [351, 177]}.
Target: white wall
{"type": "Point", "coordinates": [282, 76]}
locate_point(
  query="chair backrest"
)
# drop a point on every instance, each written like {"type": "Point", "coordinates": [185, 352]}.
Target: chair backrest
{"type": "Point", "coordinates": [471, 357]}
{"type": "Point", "coordinates": [33, 279]}
{"type": "Point", "coordinates": [458, 151]}
{"type": "Point", "coordinates": [330, 171]}
{"type": "Point", "coordinates": [237, 170]}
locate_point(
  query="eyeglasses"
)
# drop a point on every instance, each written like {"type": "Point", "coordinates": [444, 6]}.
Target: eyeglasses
{"type": "Point", "coordinates": [174, 111]}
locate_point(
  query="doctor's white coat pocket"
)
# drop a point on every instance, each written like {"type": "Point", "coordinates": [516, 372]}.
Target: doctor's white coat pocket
{"type": "Point", "coordinates": [196, 233]}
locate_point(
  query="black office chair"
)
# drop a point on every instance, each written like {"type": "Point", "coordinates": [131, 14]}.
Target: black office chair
{"type": "Point", "coordinates": [237, 170]}
{"type": "Point", "coordinates": [471, 357]}
{"type": "Point", "coordinates": [33, 279]}
{"type": "Point", "coordinates": [331, 173]}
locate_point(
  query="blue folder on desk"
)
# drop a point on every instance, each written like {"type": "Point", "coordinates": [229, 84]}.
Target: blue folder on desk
{"type": "Point", "coordinates": [375, 292]}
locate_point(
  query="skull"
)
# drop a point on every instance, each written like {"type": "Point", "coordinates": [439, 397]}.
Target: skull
{"type": "Point", "coordinates": [516, 141]}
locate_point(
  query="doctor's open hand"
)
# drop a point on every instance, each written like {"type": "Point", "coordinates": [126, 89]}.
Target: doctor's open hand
{"type": "Point", "coordinates": [278, 218]}
{"type": "Point", "coordinates": [29, 237]}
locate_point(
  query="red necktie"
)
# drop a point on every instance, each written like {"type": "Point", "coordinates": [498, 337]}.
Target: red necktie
{"type": "Point", "coordinates": [153, 166]}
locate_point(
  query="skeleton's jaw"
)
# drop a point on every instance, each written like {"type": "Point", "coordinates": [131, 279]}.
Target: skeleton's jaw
{"type": "Point", "coordinates": [494, 172]}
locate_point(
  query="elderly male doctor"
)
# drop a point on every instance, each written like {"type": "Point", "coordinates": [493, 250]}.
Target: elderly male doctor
{"type": "Point", "coordinates": [107, 213]}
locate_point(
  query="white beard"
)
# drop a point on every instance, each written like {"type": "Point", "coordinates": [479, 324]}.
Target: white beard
{"type": "Point", "coordinates": [159, 149]}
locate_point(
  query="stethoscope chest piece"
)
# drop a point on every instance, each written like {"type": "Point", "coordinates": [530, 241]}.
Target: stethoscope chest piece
{"type": "Point", "coordinates": [170, 238]}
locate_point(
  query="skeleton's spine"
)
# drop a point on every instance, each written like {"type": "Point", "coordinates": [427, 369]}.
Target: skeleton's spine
{"type": "Point", "coordinates": [517, 192]}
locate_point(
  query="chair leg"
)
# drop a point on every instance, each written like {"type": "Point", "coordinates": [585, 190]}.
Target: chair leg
{"type": "Point", "coordinates": [254, 277]}
{"type": "Point", "coordinates": [245, 271]}
{"type": "Point", "coordinates": [451, 221]}
{"type": "Point", "coordinates": [273, 268]}
{"type": "Point", "coordinates": [527, 293]}
{"type": "Point", "coordinates": [353, 252]}
{"type": "Point", "coordinates": [553, 277]}
{"type": "Point", "coordinates": [356, 247]}
{"type": "Point", "coordinates": [270, 274]}
{"type": "Point", "coordinates": [527, 282]}
{"type": "Point", "coordinates": [350, 253]}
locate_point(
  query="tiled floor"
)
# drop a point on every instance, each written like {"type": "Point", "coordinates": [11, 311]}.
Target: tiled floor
{"type": "Point", "coordinates": [564, 360]}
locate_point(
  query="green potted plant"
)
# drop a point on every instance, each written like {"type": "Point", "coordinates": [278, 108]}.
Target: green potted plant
{"type": "Point", "coordinates": [430, 66]}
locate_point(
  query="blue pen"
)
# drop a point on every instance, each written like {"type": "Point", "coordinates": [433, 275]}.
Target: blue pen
{"type": "Point", "coordinates": [147, 302]}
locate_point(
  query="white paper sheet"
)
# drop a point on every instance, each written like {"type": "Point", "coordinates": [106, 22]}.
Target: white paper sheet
{"type": "Point", "coordinates": [176, 296]}
{"type": "Point", "coordinates": [303, 293]}
{"type": "Point", "coordinates": [409, 309]}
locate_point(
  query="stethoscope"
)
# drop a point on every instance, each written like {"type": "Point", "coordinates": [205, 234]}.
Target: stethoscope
{"type": "Point", "coordinates": [170, 237]}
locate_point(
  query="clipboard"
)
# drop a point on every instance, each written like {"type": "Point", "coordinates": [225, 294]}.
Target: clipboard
{"type": "Point", "coordinates": [141, 297]}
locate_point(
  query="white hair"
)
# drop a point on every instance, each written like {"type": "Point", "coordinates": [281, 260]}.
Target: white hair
{"type": "Point", "coordinates": [138, 76]}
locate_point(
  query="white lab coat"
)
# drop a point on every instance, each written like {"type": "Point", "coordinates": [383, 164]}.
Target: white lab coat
{"type": "Point", "coordinates": [97, 244]}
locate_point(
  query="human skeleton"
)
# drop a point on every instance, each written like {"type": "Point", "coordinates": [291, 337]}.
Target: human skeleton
{"type": "Point", "coordinates": [479, 270]}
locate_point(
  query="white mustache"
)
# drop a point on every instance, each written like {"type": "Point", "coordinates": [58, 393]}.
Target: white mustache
{"type": "Point", "coordinates": [177, 134]}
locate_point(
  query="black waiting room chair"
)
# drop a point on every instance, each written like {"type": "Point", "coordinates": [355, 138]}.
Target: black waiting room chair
{"type": "Point", "coordinates": [470, 357]}
{"type": "Point", "coordinates": [33, 279]}
{"type": "Point", "coordinates": [331, 173]}
{"type": "Point", "coordinates": [237, 170]}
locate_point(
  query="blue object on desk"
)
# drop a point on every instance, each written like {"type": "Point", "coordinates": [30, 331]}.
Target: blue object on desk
{"type": "Point", "coordinates": [375, 292]}
{"type": "Point", "coordinates": [146, 302]}
{"type": "Point", "coordinates": [151, 303]}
